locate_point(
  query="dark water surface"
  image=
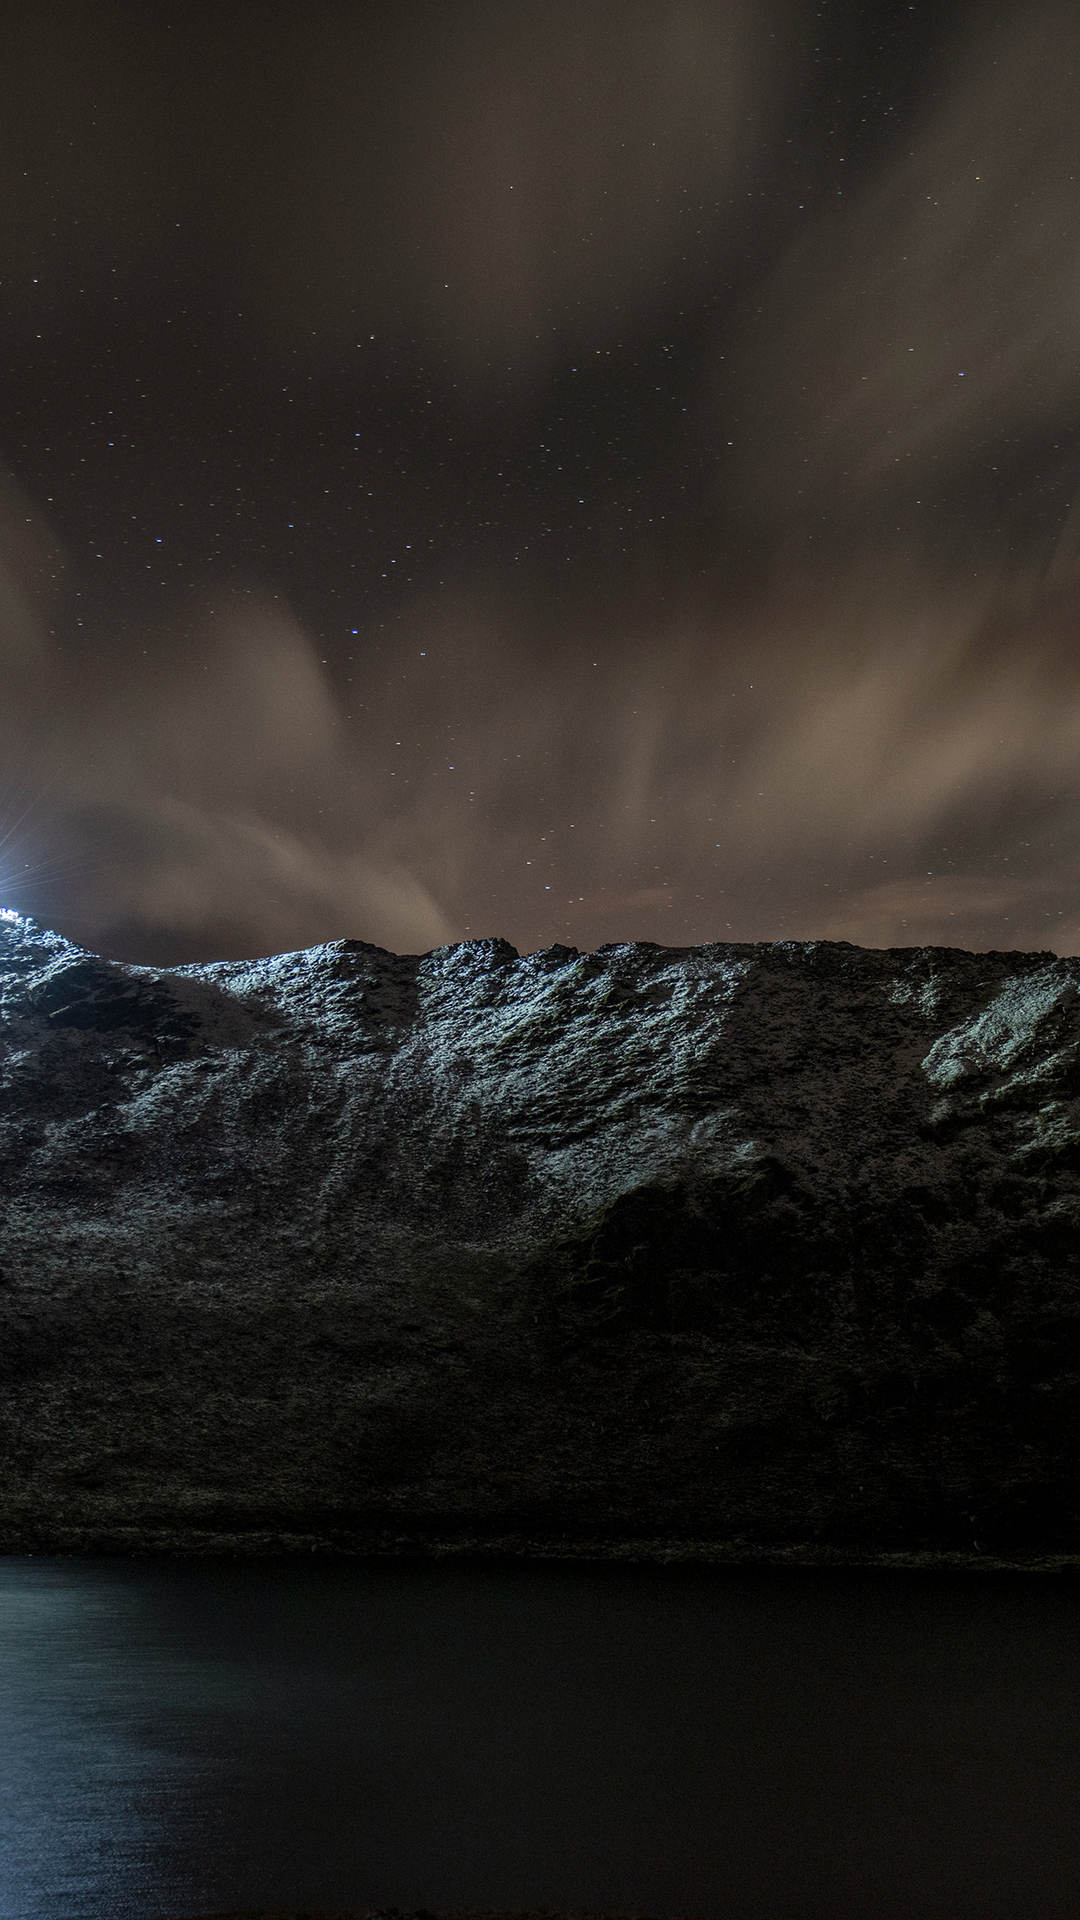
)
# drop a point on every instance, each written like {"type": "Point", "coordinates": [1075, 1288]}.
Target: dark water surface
{"type": "Point", "coordinates": [188, 1736]}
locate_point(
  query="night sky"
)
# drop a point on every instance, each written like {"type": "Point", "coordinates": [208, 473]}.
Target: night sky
{"type": "Point", "coordinates": [572, 470]}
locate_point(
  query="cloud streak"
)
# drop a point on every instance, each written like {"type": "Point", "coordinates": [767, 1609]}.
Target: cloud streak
{"type": "Point", "coordinates": [924, 322]}
{"type": "Point", "coordinates": [893, 765]}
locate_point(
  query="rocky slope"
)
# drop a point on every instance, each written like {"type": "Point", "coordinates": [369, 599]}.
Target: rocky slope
{"type": "Point", "coordinates": [739, 1252]}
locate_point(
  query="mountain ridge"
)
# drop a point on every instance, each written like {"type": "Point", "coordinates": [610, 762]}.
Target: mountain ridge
{"type": "Point", "coordinates": [731, 1252]}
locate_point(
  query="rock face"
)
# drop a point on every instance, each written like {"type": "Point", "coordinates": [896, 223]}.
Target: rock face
{"type": "Point", "coordinates": [732, 1252]}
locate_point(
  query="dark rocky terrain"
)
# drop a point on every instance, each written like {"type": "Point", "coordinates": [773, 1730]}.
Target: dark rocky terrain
{"type": "Point", "coordinates": [732, 1252]}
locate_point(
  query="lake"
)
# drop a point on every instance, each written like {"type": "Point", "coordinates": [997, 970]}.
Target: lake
{"type": "Point", "coordinates": [185, 1737]}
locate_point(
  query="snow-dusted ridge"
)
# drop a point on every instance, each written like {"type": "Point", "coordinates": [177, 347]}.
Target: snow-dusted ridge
{"type": "Point", "coordinates": [735, 1252]}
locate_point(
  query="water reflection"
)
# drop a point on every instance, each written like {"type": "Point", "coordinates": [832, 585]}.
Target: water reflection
{"type": "Point", "coordinates": [189, 1737]}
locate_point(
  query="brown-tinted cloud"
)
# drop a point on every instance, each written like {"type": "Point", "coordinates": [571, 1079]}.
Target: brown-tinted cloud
{"type": "Point", "coordinates": [925, 319]}
{"type": "Point", "coordinates": [893, 766]}
{"type": "Point", "coordinates": [880, 744]}
{"type": "Point", "coordinates": [492, 180]}
{"type": "Point", "coordinates": [569, 152]}
{"type": "Point", "coordinates": [194, 788]}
